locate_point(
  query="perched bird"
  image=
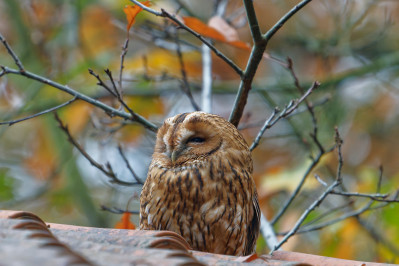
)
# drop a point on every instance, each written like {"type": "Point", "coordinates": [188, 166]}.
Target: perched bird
{"type": "Point", "coordinates": [200, 185]}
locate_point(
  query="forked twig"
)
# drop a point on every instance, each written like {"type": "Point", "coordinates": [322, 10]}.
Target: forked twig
{"type": "Point", "coordinates": [107, 169]}
{"type": "Point", "coordinates": [12, 122]}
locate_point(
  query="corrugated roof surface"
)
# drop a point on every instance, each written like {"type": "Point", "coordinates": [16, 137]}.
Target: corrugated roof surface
{"type": "Point", "coordinates": [25, 239]}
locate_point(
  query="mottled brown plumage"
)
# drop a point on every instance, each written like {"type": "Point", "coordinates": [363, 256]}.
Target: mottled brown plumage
{"type": "Point", "coordinates": [200, 185]}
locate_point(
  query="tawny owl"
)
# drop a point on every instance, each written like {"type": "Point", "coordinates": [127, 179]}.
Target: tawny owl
{"type": "Point", "coordinates": [200, 185]}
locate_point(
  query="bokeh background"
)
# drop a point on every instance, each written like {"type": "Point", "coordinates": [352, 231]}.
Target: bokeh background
{"type": "Point", "coordinates": [351, 47]}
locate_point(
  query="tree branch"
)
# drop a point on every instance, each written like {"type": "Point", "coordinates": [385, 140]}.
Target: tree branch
{"type": "Point", "coordinates": [185, 84]}
{"type": "Point", "coordinates": [316, 203]}
{"type": "Point", "coordinates": [268, 35]}
{"type": "Point", "coordinates": [11, 52]}
{"type": "Point", "coordinates": [12, 122]}
{"type": "Point", "coordinates": [138, 180]}
{"type": "Point", "coordinates": [107, 170]}
{"type": "Point", "coordinates": [273, 119]}
{"type": "Point", "coordinates": [165, 14]}
{"type": "Point", "coordinates": [65, 88]}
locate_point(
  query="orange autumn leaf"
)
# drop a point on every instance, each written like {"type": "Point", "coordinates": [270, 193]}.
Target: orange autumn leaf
{"type": "Point", "coordinates": [131, 12]}
{"type": "Point", "coordinates": [125, 222]}
{"type": "Point", "coordinates": [203, 29]}
{"type": "Point", "coordinates": [217, 29]}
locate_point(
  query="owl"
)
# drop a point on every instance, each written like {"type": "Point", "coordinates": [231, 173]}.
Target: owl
{"type": "Point", "coordinates": [200, 185]}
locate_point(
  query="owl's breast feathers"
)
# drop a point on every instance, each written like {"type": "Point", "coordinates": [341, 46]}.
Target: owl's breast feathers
{"type": "Point", "coordinates": [199, 185]}
{"type": "Point", "coordinates": [212, 204]}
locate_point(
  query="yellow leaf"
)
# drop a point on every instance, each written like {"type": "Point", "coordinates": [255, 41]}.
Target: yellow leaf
{"type": "Point", "coordinates": [131, 12]}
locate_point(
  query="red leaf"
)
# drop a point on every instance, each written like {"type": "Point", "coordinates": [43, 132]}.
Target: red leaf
{"type": "Point", "coordinates": [125, 222]}
{"type": "Point", "coordinates": [131, 12]}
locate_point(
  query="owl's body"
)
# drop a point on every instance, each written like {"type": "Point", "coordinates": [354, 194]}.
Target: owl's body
{"type": "Point", "coordinates": [200, 186]}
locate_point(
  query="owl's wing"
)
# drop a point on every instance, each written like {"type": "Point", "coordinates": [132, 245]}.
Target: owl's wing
{"type": "Point", "coordinates": [253, 229]}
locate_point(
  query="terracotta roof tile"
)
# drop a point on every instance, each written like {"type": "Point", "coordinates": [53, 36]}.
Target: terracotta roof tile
{"type": "Point", "coordinates": [25, 239]}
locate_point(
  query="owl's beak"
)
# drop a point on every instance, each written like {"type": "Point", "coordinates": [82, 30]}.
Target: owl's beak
{"type": "Point", "coordinates": [175, 154]}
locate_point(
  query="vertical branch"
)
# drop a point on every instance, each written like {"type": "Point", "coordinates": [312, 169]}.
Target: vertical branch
{"type": "Point", "coordinates": [206, 95]}
{"type": "Point", "coordinates": [186, 84]}
{"type": "Point", "coordinates": [258, 49]}
{"type": "Point", "coordinates": [123, 54]}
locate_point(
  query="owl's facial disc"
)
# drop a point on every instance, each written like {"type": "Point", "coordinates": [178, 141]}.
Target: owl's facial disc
{"type": "Point", "coordinates": [186, 139]}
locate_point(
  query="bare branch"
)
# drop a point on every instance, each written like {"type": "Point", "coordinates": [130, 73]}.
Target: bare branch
{"type": "Point", "coordinates": [316, 203]}
{"type": "Point", "coordinates": [11, 52]}
{"type": "Point", "coordinates": [268, 35]}
{"type": "Point", "coordinates": [314, 163]}
{"type": "Point", "coordinates": [343, 217]}
{"type": "Point", "coordinates": [138, 180]}
{"type": "Point", "coordinates": [108, 109]}
{"type": "Point", "coordinates": [256, 56]}
{"type": "Point", "coordinates": [12, 122]}
{"type": "Point", "coordinates": [375, 197]}
{"type": "Point", "coordinates": [185, 84]}
{"type": "Point", "coordinates": [273, 119]}
{"type": "Point", "coordinates": [123, 54]}
{"type": "Point", "coordinates": [165, 14]}
{"type": "Point", "coordinates": [313, 206]}
{"type": "Point", "coordinates": [266, 125]}
{"type": "Point", "coordinates": [65, 88]}
{"type": "Point", "coordinates": [107, 169]}
{"type": "Point", "coordinates": [253, 21]}
{"type": "Point", "coordinates": [101, 83]}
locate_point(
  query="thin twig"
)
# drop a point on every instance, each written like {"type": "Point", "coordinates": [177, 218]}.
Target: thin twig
{"type": "Point", "coordinates": [107, 169]}
{"type": "Point", "coordinates": [265, 126]}
{"type": "Point", "coordinates": [375, 197]}
{"type": "Point", "coordinates": [65, 88]}
{"type": "Point", "coordinates": [166, 14]}
{"type": "Point", "coordinates": [12, 122]}
{"type": "Point", "coordinates": [123, 55]}
{"type": "Point", "coordinates": [12, 53]}
{"type": "Point", "coordinates": [138, 180]}
{"type": "Point", "coordinates": [306, 228]}
{"type": "Point", "coordinates": [268, 35]}
{"type": "Point", "coordinates": [101, 83]}
{"type": "Point", "coordinates": [185, 84]}
{"type": "Point", "coordinates": [313, 206]}
{"type": "Point", "coordinates": [108, 109]}
{"type": "Point", "coordinates": [314, 163]}
{"type": "Point", "coordinates": [274, 118]}
{"type": "Point", "coordinates": [316, 203]}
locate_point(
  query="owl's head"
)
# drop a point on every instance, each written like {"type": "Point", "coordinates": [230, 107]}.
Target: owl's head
{"type": "Point", "coordinates": [193, 138]}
